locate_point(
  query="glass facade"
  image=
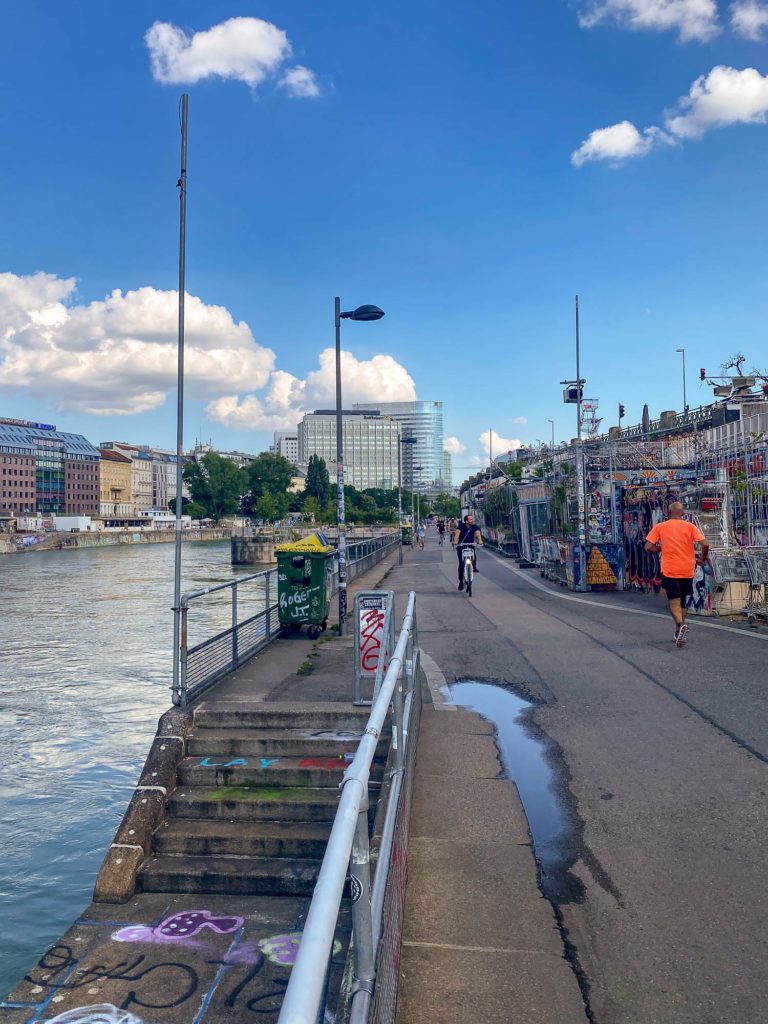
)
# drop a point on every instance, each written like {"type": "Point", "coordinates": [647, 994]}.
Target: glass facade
{"type": "Point", "coordinates": [66, 466]}
{"type": "Point", "coordinates": [422, 460]}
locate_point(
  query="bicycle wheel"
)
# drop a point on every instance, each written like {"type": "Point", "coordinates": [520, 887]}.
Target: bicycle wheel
{"type": "Point", "coordinates": [468, 574]}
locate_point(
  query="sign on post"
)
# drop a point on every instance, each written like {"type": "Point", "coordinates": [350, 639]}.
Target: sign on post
{"type": "Point", "coordinates": [374, 637]}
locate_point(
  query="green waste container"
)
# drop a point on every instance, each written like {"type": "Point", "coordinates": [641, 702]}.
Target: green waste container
{"type": "Point", "coordinates": [407, 535]}
{"type": "Point", "coordinates": [304, 590]}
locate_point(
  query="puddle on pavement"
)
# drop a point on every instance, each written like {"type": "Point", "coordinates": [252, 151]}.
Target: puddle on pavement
{"type": "Point", "coordinates": [525, 760]}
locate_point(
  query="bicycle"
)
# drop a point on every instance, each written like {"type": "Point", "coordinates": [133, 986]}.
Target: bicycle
{"type": "Point", "coordinates": [468, 560]}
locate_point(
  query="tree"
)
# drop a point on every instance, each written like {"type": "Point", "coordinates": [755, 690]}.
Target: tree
{"type": "Point", "coordinates": [188, 508]}
{"type": "Point", "coordinates": [318, 483]}
{"type": "Point", "coordinates": [446, 505]}
{"type": "Point", "coordinates": [265, 508]}
{"type": "Point", "coordinates": [269, 474]}
{"type": "Point", "coordinates": [216, 484]}
{"type": "Point", "coordinates": [312, 508]}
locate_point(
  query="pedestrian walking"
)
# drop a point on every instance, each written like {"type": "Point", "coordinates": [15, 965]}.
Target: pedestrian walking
{"type": "Point", "coordinates": [675, 539]}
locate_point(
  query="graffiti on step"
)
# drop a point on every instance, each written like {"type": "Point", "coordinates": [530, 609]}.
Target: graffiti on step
{"type": "Point", "coordinates": [249, 975]}
{"type": "Point", "coordinates": [179, 927]}
{"type": "Point", "coordinates": [327, 763]}
{"type": "Point", "coordinates": [239, 762]}
{"type": "Point", "coordinates": [328, 734]}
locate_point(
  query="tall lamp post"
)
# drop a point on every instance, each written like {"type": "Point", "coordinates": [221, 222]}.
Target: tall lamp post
{"type": "Point", "coordinates": [178, 696]}
{"type": "Point", "coordinates": [685, 403]}
{"type": "Point", "coordinates": [401, 441]}
{"type": "Point", "coordinates": [363, 313]}
{"type": "Point", "coordinates": [553, 431]}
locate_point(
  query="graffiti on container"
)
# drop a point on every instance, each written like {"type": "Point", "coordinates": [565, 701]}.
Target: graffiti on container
{"type": "Point", "coordinates": [182, 926]}
{"type": "Point", "coordinates": [297, 605]}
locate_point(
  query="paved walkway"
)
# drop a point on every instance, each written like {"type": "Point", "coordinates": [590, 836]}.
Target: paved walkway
{"type": "Point", "coordinates": [660, 764]}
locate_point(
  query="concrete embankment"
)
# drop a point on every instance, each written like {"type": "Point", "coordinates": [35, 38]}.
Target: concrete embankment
{"type": "Point", "coordinates": [13, 544]}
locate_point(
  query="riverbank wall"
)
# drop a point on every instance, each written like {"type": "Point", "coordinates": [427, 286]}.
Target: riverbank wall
{"type": "Point", "coordinates": [15, 543]}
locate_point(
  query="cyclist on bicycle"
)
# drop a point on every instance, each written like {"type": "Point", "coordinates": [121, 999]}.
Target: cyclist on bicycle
{"type": "Point", "coordinates": [441, 531]}
{"type": "Point", "coordinates": [466, 533]}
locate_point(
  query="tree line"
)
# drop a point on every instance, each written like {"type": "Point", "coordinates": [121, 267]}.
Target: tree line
{"type": "Point", "coordinates": [219, 488]}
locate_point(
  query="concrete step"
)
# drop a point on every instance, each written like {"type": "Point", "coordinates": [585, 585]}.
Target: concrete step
{"type": "Point", "coordinates": [251, 876]}
{"type": "Point", "coordinates": [317, 772]}
{"type": "Point", "coordinates": [202, 837]}
{"type": "Point", "coordinates": [321, 717]}
{"type": "Point", "coordinates": [278, 742]}
{"type": "Point", "coordinates": [257, 803]}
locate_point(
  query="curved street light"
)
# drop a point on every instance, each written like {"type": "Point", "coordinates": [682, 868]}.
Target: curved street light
{"type": "Point", "coordinates": [362, 313]}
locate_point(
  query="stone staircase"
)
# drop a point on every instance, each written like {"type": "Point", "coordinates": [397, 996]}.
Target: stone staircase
{"type": "Point", "coordinates": [255, 797]}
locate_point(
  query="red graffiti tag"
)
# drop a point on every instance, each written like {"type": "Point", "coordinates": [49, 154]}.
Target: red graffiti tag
{"type": "Point", "coordinates": [371, 631]}
{"type": "Point", "coordinates": [328, 763]}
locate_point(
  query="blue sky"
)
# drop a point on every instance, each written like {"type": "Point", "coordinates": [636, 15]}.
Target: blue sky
{"type": "Point", "coordinates": [437, 159]}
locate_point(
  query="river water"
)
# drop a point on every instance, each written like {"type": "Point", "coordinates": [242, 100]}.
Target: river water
{"type": "Point", "coordinates": [85, 670]}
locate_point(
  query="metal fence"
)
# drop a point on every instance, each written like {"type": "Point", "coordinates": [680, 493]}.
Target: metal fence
{"type": "Point", "coordinates": [251, 616]}
{"type": "Point", "coordinates": [375, 937]}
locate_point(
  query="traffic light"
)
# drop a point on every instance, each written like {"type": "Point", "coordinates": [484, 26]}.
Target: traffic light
{"type": "Point", "coordinates": [703, 373]}
{"type": "Point", "coordinates": [621, 411]}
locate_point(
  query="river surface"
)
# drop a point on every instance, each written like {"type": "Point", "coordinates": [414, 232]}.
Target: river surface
{"type": "Point", "coordinates": [85, 670]}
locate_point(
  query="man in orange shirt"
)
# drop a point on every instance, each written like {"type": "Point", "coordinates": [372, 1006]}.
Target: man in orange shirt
{"type": "Point", "coordinates": [675, 540]}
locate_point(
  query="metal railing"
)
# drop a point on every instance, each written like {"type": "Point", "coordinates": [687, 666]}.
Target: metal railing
{"type": "Point", "coordinates": [208, 661]}
{"type": "Point", "coordinates": [348, 850]}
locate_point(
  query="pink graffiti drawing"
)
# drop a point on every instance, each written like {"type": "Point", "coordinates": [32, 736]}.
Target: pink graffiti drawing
{"type": "Point", "coordinates": [282, 949]}
{"type": "Point", "coordinates": [181, 926]}
{"type": "Point", "coordinates": [371, 630]}
{"type": "Point", "coordinates": [328, 763]}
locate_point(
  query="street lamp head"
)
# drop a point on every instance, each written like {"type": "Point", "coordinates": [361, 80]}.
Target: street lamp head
{"type": "Point", "coordinates": [679, 350]}
{"type": "Point", "coordinates": [363, 313]}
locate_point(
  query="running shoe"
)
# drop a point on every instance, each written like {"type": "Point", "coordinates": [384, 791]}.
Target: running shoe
{"type": "Point", "coordinates": [681, 639]}
{"type": "Point", "coordinates": [461, 586]}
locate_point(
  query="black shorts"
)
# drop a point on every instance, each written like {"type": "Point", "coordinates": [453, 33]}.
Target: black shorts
{"type": "Point", "coordinates": [675, 586]}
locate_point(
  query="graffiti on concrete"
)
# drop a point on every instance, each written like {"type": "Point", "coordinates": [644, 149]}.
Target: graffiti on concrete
{"type": "Point", "coordinates": [328, 763]}
{"type": "Point", "coordinates": [98, 1013]}
{"type": "Point", "coordinates": [181, 926]}
{"type": "Point", "coordinates": [282, 949]}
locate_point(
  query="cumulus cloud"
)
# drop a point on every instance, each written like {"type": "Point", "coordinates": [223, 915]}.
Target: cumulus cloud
{"type": "Point", "coordinates": [749, 18]}
{"type": "Point", "coordinates": [244, 49]}
{"type": "Point", "coordinates": [454, 446]}
{"type": "Point", "coordinates": [724, 97]}
{"type": "Point", "coordinates": [496, 445]}
{"type": "Point", "coordinates": [380, 378]}
{"type": "Point", "coordinates": [300, 82]}
{"type": "Point", "coordinates": [617, 143]}
{"type": "Point", "coordinates": [693, 20]}
{"type": "Point", "coordinates": [118, 355]}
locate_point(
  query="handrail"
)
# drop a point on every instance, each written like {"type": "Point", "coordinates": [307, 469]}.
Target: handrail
{"type": "Point", "coordinates": [347, 847]}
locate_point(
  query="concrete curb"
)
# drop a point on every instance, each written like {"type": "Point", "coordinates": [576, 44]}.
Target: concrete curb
{"type": "Point", "coordinates": [116, 880]}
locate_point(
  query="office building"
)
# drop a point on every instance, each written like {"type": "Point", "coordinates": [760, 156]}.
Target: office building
{"type": "Point", "coordinates": [422, 460]}
{"type": "Point", "coordinates": [46, 470]}
{"type": "Point", "coordinates": [447, 481]}
{"type": "Point", "coordinates": [369, 440]}
{"type": "Point", "coordinates": [287, 445]}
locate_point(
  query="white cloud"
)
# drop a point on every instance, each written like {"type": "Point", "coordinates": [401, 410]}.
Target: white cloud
{"type": "Point", "coordinates": [724, 97]}
{"type": "Point", "coordinates": [498, 445]}
{"type": "Point", "coordinates": [520, 420]}
{"type": "Point", "coordinates": [380, 378]}
{"type": "Point", "coordinates": [245, 49]}
{"type": "Point", "coordinates": [454, 446]}
{"type": "Point", "coordinates": [300, 82]}
{"type": "Point", "coordinates": [749, 18]}
{"type": "Point", "coordinates": [691, 19]}
{"type": "Point", "coordinates": [618, 142]}
{"type": "Point", "coordinates": [118, 356]}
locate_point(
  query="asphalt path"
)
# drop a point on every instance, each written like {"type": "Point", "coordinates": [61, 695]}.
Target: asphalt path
{"type": "Point", "coordinates": [661, 758]}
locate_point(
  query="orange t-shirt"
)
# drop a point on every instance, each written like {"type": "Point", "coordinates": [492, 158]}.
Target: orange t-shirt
{"type": "Point", "coordinates": [678, 557]}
